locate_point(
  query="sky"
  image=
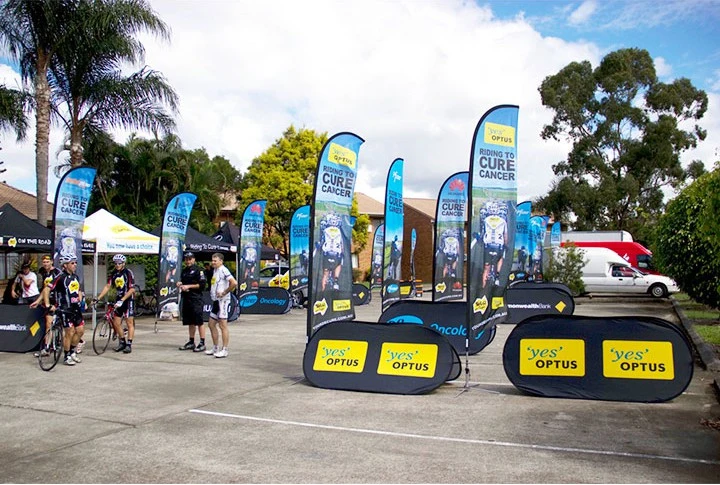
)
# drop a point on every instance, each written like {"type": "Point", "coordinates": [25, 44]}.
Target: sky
{"type": "Point", "coordinates": [412, 78]}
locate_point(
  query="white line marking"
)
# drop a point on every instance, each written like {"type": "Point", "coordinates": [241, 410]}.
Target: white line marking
{"type": "Point", "coordinates": [460, 440]}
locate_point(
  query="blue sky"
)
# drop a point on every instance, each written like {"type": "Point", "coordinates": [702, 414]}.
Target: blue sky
{"type": "Point", "coordinates": [411, 77]}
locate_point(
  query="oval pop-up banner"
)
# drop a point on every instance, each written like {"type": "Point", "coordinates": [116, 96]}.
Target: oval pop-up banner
{"type": "Point", "coordinates": [634, 359]}
{"type": "Point", "coordinates": [360, 294]}
{"type": "Point", "coordinates": [374, 357]}
{"type": "Point", "coordinates": [21, 328]}
{"type": "Point", "coordinates": [445, 317]}
{"type": "Point", "coordinates": [531, 299]}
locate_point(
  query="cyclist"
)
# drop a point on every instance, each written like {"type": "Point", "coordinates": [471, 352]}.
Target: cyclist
{"type": "Point", "coordinates": [191, 285]}
{"type": "Point", "coordinates": [48, 273]}
{"type": "Point", "coordinates": [68, 297]}
{"type": "Point", "coordinates": [395, 253]}
{"type": "Point", "coordinates": [494, 238]}
{"type": "Point", "coordinates": [332, 250]}
{"type": "Point", "coordinates": [450, 247]}
{"type": "Point", "coordinates": [249, 258]}
{"type": "Point", "coordinates": [124, 282]}
{"type": "Point", "coordinates": [304, 262]}
{"type": "Point", "coordinates": [522, 258]}
{"type": "Point", "coordinates": [221, 285]}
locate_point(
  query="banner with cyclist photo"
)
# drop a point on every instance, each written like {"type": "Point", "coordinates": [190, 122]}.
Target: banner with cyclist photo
{"type": "Point", "coordinates": [172, 244]}
{"type": "Point", "coordinates": [330, 292]}
{"type": "Point", "coordinates": [376, 274]}
{"type": "Point", "coordinates": [71, 203]}
{"type": "Point", "coordinates": [251, 232]}
{"type": "Point", "coordinates": [521, 255]}
{"type": "Point", "coordinates": [536, 237]}
{"type": "Point", "coordinates": [299, 249]}
{"type": "Point", "coordinates": [449, 258]}
{"type": "Point", "coordinates": [393, 240]}
{"type": "Point", "coordinates": [492, 199]}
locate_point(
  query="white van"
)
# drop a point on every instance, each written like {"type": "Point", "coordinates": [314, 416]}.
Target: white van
{"type": "Point", "coordinates": [607, 272]}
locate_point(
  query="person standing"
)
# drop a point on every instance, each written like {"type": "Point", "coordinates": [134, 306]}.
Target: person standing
{"type": "Point", "coordinates": [48, 273]}
{"type": "Point", "coordinates": [68, 297]}
{"type": "Point", "coordinates": [28, 280]}
{"type": "Point", "coordinates": [191, 285]}
{"type": "Point", "coordinates": [221, 285]}
{"type": "Point", "coordinates": [124, 282]}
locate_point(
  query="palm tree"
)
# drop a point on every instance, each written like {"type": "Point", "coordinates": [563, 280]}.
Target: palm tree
{"type": "Point", "coordinates": [86, 74]}
{"type": "Point", "coordinates": [32, 30]}
{"type": "Point", "coordinates": [12, 112]}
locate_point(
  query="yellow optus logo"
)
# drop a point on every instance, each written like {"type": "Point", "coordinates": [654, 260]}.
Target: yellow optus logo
{"type": "Point", "coordinates": [406, 359]}
{"type": "Point", "coordinates": [405, 290]}
{"type": "Point", "coordinates": [340, 155]}
{"type": "Point", "coordinates": [119, 282]}
{"type": "Point", "coordinates": [552, 357]}
{"type": "Point", "coordinates": [497, 302]}
{"type": "Point", "coordinates": [12, 242]}
{"type": "Point", "coordinates": [636, 359]}
{"type": "Point", "coordinates": [164, 291]}
{"type": "Point", "coordinates": [74, 286]}
{"type": "Point", "coordinates": [480, 305]}
{"type": "Point", "coordinates": [440, 287]}
{"type": "Point", "coordinates": [340, 356]}
{"type": "Point", "coordinates": [341, 305]}
{"type": "Point", "coordinates": [496, 134]}
{"type": "Point", "coordinates": [320, 307]}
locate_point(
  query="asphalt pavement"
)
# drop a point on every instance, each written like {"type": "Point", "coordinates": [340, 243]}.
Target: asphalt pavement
{"type": "Point", "coordinates": [164, 415]}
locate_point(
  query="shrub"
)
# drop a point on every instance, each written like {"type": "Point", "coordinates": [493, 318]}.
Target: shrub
{"type": "Point", "coordinates": [564, 265]}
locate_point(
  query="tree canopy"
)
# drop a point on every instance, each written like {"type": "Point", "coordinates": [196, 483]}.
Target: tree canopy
{"type": "Point", "coordinates": [626, 134]}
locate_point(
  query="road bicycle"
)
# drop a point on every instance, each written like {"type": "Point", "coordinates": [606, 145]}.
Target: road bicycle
{"type": "Point", "coordinates": [52, 346]}
{"type": "Point", "coordinates": [105, 332]}
{"type": "Point", "coordinates": [145, 302]}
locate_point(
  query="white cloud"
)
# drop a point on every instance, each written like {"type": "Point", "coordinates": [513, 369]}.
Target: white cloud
{"type": "Point", "coordinates": [583, 13]}
{"type": "Point", "coordinates": [662, 68]}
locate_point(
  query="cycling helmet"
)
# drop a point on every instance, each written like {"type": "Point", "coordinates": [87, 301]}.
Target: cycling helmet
{"type": "Point", "coordinates": [66, 258]}
{"type": "Point", "coordinates": [119, 258]}
{"type": "Point", "coordinates": [493, 208]}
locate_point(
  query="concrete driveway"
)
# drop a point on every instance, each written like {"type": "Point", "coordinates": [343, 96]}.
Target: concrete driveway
{"type": "Point", "coordinates": [162, 415]}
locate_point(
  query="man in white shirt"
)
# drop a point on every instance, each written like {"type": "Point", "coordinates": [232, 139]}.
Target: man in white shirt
{"type": "Point", "coordinates": [221, 285]}
{"type": "Point", "coordinates": [30, 289]}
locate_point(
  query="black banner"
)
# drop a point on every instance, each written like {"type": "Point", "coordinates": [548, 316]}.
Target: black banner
{"type": "Point", "coordinates": [375, 357]}
{"type": "Point", "coordinates": [360, 294]}
{"type": "Point", "coordinates": [268, 301]}
{"type": "Point", "coordinates": [527, 300]}
{"type": "Point", "coordinates": [21, 328]}
{"type": "Point", "coordinates": [634, 359]}
{"type": "Point", "coordinates": [446, 318]}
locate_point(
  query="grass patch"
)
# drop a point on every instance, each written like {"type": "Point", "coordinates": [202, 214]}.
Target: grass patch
{"type": "Point", "coordinates": [702, 314]}
{"type": "Point", "coordinates": [709, 333]}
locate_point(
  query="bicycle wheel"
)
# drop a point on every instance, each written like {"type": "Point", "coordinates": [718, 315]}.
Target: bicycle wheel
{"type": "Point", "coordinates": [101, 336]}
{"type": "Point", "coordinates": [152, 305]}
{"type": "Point", "coordinates": [50, 356]}
{"type": "Point", "coordinates": [140, 308]}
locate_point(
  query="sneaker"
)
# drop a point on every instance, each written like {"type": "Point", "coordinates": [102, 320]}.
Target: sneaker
{"type": "Point", "coordinates": [41, 353]}
{"type": "Point", "coordinates": [188, 346]}
{"type": "Point", "coordinates": [199, 348]}
{"type": "Point", "coordinates": [74, 356]}
{"type": "Point", "coordinates": [79, 347]}
{"type": "Point", "coordinates": [69, 361]}
{"type": "Point", "coordinates": [336, 287]}
{"type": "Point", "coordinates": [212, 350]}
{"type": "Point", "coordinates": [221, 353]}
{"type": "Point", "coordinates": [120, 347]}
{"type": "Point", "coordinates": [127, 349]}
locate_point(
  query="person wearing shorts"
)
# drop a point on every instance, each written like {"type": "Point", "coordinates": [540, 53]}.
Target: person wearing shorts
{"type": "Point", "coordinates": [48, 273]}
{"type": "Point", "coordinates": [124, 282]}
{"type": "Point", "coordinates": [221, 285]}
{"type": "Point", "coordinates": [191, 285]}
{"type": "Point", "coordinates": [68, 297]}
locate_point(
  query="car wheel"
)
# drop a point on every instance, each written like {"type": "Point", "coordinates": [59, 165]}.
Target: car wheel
{"type": "Point", "coordinates": [658, 291]}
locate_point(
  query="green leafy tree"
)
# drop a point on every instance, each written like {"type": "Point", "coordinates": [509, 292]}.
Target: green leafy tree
{"type": "Point", "coordinates": [626, 141]}
{"type": "Point", "coordinates": [12, 111]}
{"type": "Point", "coordinates": [565, 266]}
{"type": "Point", "coordinates": [687, 247]}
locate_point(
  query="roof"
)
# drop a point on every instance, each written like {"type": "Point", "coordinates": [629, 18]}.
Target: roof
{"type": "Point", "coordinates": [368, 205]}
{"type": "Point", "coordinates": [24, 202]}
{"type": "Point", "coordinates": [426, 206]}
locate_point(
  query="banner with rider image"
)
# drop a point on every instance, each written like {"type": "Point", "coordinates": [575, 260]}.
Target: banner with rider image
{"type": "Point", "coordinates": [330, 285]}
{"type": "Point", "coordinates": [71, 203]}
{"type": "Point", "coordinates": [631, 359]}
{"type": "Point", "coordinates": [492, 201]}
{"type": "Point", "coordinates": [555, 235]}
{"type": "Point", "coordinates": [172, 244]}
{"type": "Point", "coordinates": [449, 258]}
{"type": "Point", "coordinates": [521, 254]}
{"type": "Point", "coordinates": [376, 272]}
{"type": "Point", "coordinates": [251, 232]}
{"type": "Point", "coordinates": [536, 238]}
{"type": "Point", "coordinates": [393, 239]}
{"type": "Point", "coordinates": [299, 249]}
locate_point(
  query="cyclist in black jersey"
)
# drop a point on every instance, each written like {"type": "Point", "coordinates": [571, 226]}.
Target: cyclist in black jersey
{"type": "Point", "coordinates": [68, 297]}
{"type": "Point", "coordinates": [48, 272]}
{"type": "Point", "coordinates": [124, 282]}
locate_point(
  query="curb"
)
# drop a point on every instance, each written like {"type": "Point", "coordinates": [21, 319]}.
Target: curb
{"type": "Point", "coordinates": [704, 350]}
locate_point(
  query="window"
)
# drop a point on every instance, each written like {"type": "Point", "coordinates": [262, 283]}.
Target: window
{"type": "Point", "coordinates": [644, 261]}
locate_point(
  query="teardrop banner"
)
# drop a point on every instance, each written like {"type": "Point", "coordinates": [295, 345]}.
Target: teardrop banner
{"type": "Point", "coordinates": [251, 233]}
{"type": "Point", "coordinates": [531, 299]}
{"type": "Point", "coordinates": [394, 230]}
{"type": "Point", "coordinates": [376, 270]}
{"type": "Point", "coordinates": [21, 328]}
{"type": "Point", "coordinates": [267, 301]}
{"type": "Point", "coordinates": [375, 357]}
{"type": "Point", "coordinates": [521, 254]}
{"type": "Point", "coordinates": [360, 294]}
{"type": "Point", "coordinates": [299, 249]}
{"type": "Point", "coordinates": [449, 255]}
{"type": "Point", "coordinates": [633, 359]}
{"type": "Point", "coordinates": [446, 318]}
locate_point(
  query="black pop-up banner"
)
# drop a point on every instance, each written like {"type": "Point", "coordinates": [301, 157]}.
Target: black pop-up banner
{"type": "Point", "coordinates": [635, 359]}
{"type": "Point", "coordinates": [21, 328]}
{"type": "Point", "coordinates": [445, 317]}
{"type": "Point", "coordinates": [268, 301]}
{"type": "Point", "coordinates": [527, 300]}
{"type": "Point", "coordinates": [373, 357]}
{"type": "Point", "coordinates": [360, 294]}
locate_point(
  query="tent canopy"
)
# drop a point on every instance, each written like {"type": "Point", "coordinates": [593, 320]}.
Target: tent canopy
{"type": "Point", "coordinates": [200, 243]}
{"type": "Point", "coordinates": [20, 234]}
{"type": "Point", "coordinates": [230, 233]}
{"type": "Point", "coordinates": [113, 235]}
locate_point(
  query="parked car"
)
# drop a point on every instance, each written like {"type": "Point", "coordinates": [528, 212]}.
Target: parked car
{"type": "Point", "coordinates": [279, 275]}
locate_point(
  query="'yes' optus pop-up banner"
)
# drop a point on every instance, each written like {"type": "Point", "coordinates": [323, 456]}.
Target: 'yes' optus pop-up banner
{"type": "Point", "coordinates": [636, 359]}
{"type": "Point", "coordinates": [376, 357]}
